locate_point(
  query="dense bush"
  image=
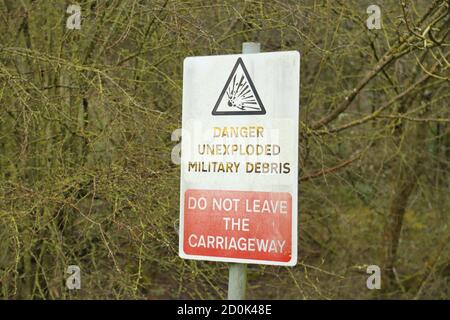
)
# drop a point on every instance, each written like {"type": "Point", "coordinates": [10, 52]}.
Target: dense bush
{"type": "Point", "coordinates": [86, 118]}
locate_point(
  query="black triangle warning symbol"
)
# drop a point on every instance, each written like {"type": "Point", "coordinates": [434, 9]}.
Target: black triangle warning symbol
{"type": "Point", "coordinates": [239, 96]}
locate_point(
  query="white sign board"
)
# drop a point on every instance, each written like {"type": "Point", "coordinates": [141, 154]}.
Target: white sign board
{"type": "Point", "coordinates": [239, 158]}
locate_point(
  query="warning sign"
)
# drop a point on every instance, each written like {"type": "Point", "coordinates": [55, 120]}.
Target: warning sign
{"type": "Point", "coordinates": [239, 96]}
{"type": "Point", "coordinates": [239, 174]}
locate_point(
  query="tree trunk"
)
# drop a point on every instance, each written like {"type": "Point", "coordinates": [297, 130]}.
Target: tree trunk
{"type": "Point", "coordinates": [407, 177]}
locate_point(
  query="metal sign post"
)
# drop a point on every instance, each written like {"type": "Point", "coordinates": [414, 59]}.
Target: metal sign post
{"type": "Point", "coordinates": [237, 281]}
{"type": "Point", "coordinates": [237, 278]}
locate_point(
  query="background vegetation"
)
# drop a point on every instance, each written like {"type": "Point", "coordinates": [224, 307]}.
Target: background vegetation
{"type": "Point", "coordinates": [86, 118]}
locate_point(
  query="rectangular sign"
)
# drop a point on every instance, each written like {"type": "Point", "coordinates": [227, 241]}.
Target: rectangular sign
{"type": "Point", "coordinates": [239, 158]}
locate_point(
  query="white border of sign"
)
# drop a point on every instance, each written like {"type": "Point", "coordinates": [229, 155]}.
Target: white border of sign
{"type": "Point", "coordinates": [294, 189]}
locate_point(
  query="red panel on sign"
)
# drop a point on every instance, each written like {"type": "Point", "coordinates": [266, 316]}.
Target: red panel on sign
{"type": "Point", "coordinates": [238, 224]}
